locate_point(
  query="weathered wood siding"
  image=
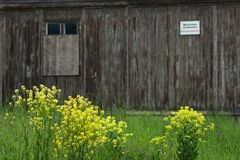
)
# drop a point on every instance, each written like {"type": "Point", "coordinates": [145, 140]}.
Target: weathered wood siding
{"type": "Point", "coordinates": [106, 54]}
{"type": "Point", "coordinates": [148, 56]}
{"type": "Point", "coordinates": [133, 54]}
{"type": "Point", "coordinates": [228, 56]}
{"type": "Point", "coordinates": [190, 58]}
{"type": "Point", "coordinates": [21, 52]}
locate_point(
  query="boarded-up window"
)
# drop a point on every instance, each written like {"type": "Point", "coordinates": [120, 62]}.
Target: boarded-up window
{"type": "Point", "coordinates": [61, 51]}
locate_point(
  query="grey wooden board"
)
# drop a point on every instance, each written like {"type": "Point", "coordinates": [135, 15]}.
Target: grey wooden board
{"type": "Point", "coordinates": [61, 55]}
{"type": "Point", "coordinates": [53, 4]}
{"type": "Point", "coordinates": [2, 36]}
{"type": "Point", "coordinates": [127, 1]}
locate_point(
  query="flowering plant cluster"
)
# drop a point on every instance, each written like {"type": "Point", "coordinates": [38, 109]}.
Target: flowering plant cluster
{"type": "Point", "coordinates": [40, 103]}
{"type": "Point", "coordinates": [72, 130]}
{"type": "Point", "coordinates": [83, 127]}
{"type": "Point", "coordinates": [184, 130]}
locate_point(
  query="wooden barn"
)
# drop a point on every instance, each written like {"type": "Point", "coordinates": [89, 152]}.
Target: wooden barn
{"type": "Point", "coordinates": [151, 53]}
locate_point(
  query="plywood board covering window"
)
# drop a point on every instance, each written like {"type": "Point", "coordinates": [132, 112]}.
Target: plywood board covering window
{"type": "Point", "coordinates": [61, 55]}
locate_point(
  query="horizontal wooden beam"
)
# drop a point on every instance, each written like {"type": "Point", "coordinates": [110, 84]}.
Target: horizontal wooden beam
{"type": "Point", "coordinates": [60, 5]}
{"type": "Point", "coordinates": [31, 4]}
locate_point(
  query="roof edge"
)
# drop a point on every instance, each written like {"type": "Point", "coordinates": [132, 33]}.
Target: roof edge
{"type": "Point", "coordinates": [92, 3]}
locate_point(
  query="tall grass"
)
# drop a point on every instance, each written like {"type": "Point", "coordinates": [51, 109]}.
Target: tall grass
{"type": "Point", "coordinates": [223, 143]}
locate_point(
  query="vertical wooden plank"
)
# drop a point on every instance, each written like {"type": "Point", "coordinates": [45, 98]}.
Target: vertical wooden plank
{"type": "Point", "coordinates": [127, 54]}
{"type": "Point", "coordinates": [222, 38]}
{"type": "Point", "coordinates": [215, 59]}
{"type": "Point", "coordinates": [172, 58]}
{"type": "Point", "coordinates": [2, 40]}
{"type": "Point", "coordinates": [160, 63]}
{"type": "Point", "coordinates": [237, 61]}
{"type": "Point", "coordinates": [208, 54]}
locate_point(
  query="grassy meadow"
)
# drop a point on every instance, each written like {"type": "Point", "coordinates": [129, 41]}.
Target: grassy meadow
{"type": "Point", "coordinates": [222, 144]}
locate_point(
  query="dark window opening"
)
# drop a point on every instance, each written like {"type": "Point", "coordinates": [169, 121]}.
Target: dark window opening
{"type": "Point", "coordinates": [56, 28]}
{"type": "Point", "coordinates": [70, 28]}
{"type": "Point", "coordinates": [53, 29]}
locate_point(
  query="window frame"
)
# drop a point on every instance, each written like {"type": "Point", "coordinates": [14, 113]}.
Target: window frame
{"type": "Point", "coordinates": [46, 28]}
{"type": "Point", "coordinates": [62, 27]}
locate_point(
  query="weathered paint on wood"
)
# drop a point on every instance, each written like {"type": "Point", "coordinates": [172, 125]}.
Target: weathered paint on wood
{"type": "Point", "coordinates": [61, 55]}
{"type": "Point", "coordinates": [133, 54]}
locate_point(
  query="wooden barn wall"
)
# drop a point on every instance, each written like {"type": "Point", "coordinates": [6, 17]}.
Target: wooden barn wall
{"type": "Point", "coordinates": [190, 58]}
{"type": "Point", "coordinates": [106, 54]}
{"type": "Point", "coordinates": [133, 55]}
{"type": "Point", "coordinates": [21, 52]}
{"type": "Point", "coordinates": [227, 65]}
{"type": "Point", "coordinates": [148, 56]}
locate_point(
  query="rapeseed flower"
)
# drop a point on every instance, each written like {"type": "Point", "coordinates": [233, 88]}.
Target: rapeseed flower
{"type": "Point", "coordinates": [184, 130]}
{"type": "Point", "coordinates": [75, 128]}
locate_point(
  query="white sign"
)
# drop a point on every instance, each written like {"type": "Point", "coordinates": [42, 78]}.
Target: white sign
{"type": "Point", "coordinates": [190, 28]}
